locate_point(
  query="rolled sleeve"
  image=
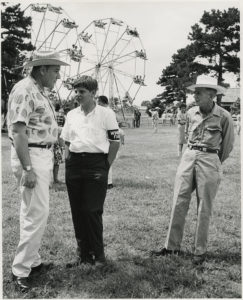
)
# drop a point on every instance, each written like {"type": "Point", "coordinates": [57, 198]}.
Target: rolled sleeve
{"type": "Point", "coordinates": [111, 126]}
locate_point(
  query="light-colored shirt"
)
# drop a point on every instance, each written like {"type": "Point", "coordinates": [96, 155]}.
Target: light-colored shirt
{"type": "Point", "coordinates": [29, 104]}
{"type": "Point", "coordinates": [215, 131]}
{"type": "Point", "coordinates": [92, 132]}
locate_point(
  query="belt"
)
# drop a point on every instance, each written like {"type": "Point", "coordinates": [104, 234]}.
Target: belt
{"type": "Point", "coordinates": [88, 154]}
{"type": "Point", "coordinates": [47, 146]}
{"type": "Point", "coordinates": [31, 145]}
{"type": "Point", "coordinates": [203, 149]}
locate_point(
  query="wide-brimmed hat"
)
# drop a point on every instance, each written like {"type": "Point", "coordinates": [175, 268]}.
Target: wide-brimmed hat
{"type": "Point", "coordinates": [45, 58]}
{"type": "Point", "coordinates": [207, 82]}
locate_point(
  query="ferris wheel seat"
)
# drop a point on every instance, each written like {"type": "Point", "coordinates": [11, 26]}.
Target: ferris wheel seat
{"type": "Point", "coordinates": [38, 8]}
{"type": "Point", "coordinates": [99, 24]}
{"type": "Point", "coordinates": [54, 9]}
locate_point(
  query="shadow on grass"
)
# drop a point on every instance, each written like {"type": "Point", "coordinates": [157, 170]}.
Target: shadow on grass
{"type": "Point", "coordinates": [130, 277]}
{"type": "Point", "coordinates": [228, 257]}
{"type": "Point", "coordinates": [135, 184]}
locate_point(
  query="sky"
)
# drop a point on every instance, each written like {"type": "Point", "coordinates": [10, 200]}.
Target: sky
{"type": "Point", "coordinates": [163, 27]}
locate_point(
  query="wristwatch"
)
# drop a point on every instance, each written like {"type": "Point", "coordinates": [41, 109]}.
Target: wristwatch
{"type": "Point", "coordinates": [27, 168]}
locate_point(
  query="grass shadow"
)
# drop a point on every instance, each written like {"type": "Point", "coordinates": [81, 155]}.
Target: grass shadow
{"type": "Point", "coordinates": [136, 184]}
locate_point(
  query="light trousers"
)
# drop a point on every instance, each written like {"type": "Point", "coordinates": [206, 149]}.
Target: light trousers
{"type": "Point", "coordinates": [201, 171]}
{"type": "Point", "coordinates": [34, 209]}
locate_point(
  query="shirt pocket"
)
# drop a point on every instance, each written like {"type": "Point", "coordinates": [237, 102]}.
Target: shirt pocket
{"type": "Point", "coordinates": [212, 136]}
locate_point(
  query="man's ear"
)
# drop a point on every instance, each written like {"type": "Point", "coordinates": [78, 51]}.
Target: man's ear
{"type": "Point", "coordinates": [42, 70]}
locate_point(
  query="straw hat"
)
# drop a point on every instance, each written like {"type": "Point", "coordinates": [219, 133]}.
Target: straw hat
{"type": "Point", "coordinates": [207, 82]}
{"type": "Point", "coordinates": [45, 58]}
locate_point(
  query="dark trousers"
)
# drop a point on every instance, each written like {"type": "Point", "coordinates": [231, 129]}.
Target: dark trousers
{"type": "Point", "coordinates": [86, 180]}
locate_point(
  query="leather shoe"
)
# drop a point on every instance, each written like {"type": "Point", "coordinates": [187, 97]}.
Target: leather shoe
{"type": "Point", "coordinates": [79, 262]}
{"type": "Point", "coordinates": [198, 259]}
{"type": "Point", "coordinates": [45, 267]}
{"type": "Point", "coordinates": [164, 252]}
{"type": "Point", "coordinates": [22, 283]}
{"type": "Point", "coordinates": [100, 260]}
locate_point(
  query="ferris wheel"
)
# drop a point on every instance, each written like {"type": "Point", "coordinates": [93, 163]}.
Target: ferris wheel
{"type": "Point", "coordinates": [113, 53]}
{"type": "Point", "coordinates": [53, 30]}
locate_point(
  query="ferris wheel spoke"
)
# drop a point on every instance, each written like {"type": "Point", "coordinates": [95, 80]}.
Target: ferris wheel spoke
{"type": "Point", "coordinates": [124, 61]}
{"type": "Point", "coordinates": [106, 79]}
{"type": "Point", "coordinates": [118, 80]}
{"type": "Point", "coordinates": [127, 44]}
{"type": "Point", "coordinates": [90, 61]}
{"type": "Point", "coordinates": [43, 18]}
{"type": "Point", "coordinates": [65, 33]}
{"type": "Point", "coordinates": [102, 76]}
{"type": "Point", "coordinates": [117, 36]}
{"type": "Point", "coordinates": [136, 93]}
{"type": "Point", "coordinates": [123, 73]}
{"type": "Point", "coordinates": [49, 35]}
{"type": "Point", "coordinates": [106, 35]}
{"type": "Point", "coordinates": [54, 31]}
{"type": "Point", "coordinates": [120, 57]}
{"type": "Point", "coordinates": [88, 70]}
{"type": "Point", "coordinates": [96, 45]}
{"type": "Point", "coordinates": [112, 47]}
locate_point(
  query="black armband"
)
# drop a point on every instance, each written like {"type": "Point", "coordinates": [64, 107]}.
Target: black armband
{"type": "Point", "coordinates": [113, 135]}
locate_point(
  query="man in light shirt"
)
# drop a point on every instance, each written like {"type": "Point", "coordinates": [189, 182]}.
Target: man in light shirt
{"type": "Point", "coordinates": [91, 136]}
{"type": "Point", "coordinates": [210, 134]}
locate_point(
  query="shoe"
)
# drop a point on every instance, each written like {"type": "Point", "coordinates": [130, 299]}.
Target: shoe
{"type": "Point", "coordinates": [22, 283]}
{"type": "Point", "coordinates": [45, 267]}
{"type": "Point", "coordinates": [100, 260]}
{"type": "Point", "coordinates": [164, 252]}
{"type": "Point", "coordinates": [198, 259]}
{"type": "Point", "coordinates": [78, 262]}
{"type": "Point", "coordinates": [109, 186]}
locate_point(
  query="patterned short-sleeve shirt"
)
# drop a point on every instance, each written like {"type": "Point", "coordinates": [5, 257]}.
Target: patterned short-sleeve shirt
{"type": "Point", "coordinates": [30, 105]}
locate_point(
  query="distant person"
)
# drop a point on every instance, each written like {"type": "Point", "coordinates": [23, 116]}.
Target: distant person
{"type": "Point", "coordinates": [136, 118]}
{"type": "Point", "coordinates": [210, 140]}
{"type": "Point", "coordinates": [181, 119]}
{"type": "Point", "coordinates": [155, 119]}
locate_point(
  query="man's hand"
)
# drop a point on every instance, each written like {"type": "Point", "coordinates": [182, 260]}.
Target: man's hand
{"type": "Point", "coordinates": [28, 179]}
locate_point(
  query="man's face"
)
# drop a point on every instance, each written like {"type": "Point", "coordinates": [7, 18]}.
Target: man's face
{"type": "Point", "coordinates": [83, 95]}
{"type": "Point", "coordinates": [202, 97]}
{"type": "Point", "coordinates": [50, 76]}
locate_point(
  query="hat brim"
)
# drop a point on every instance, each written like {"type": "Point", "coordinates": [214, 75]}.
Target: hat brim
{"type": "Point", "coordinates": [219, 89]}
{"type": "Point", "coordinates": [45, 62]}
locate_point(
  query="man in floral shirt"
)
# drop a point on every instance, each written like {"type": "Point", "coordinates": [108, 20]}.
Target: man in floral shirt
{"type": "Point", "coordinates": [33, 130]}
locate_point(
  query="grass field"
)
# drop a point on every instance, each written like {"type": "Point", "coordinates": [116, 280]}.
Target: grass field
{"type": "Point", "coordinates": [136, 217]}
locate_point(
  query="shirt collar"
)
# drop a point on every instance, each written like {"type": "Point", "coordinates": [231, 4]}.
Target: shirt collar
{"type": "Point", "coordinates": [90, 113]}
{"type": "Point", "coordinates": [42, 91]}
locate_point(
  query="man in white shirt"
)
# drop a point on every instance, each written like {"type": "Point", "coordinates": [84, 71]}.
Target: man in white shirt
{"type": "Point", "coordinates": [91, 136]}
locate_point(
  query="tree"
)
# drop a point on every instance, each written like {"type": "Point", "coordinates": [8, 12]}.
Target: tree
{"type": "Point", "coordinates": [179, 74]}
{"type": "Point", "coordinates": [145, 103]}
{"type": "Point", "coordinates": [15, 35]}
{"type": "Point", "coordinates": [218, 41]}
